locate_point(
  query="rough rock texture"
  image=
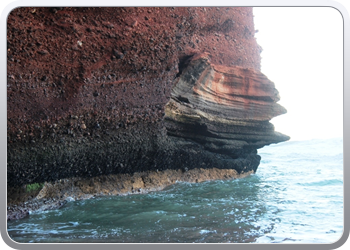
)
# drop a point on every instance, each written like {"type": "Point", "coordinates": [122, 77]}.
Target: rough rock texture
{"type": "Point", "coordinates": [123, 184]}
{"type": "Point", "coordinates": [101, 91]}
{"type": "Point", "coordinates": [56, 194]}
{"type": "Point", "coordinates": [225, 109]}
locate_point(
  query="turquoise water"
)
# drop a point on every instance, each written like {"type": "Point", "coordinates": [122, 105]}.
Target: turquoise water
{"type": "Point", "coordinates": [295, 196]}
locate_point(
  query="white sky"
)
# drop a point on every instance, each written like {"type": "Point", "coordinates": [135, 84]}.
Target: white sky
{"type": "Point", "coordinates": [303, 56]}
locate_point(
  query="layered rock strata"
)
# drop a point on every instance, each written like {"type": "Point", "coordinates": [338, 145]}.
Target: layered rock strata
{"type": "Point", "coordinates": [119, 91]}
{"type": "Point", "coordinates": [225, 109]}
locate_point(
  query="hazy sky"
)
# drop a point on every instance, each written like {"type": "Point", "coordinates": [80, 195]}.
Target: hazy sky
{"type": "Point", "coordinates": [303, 56]}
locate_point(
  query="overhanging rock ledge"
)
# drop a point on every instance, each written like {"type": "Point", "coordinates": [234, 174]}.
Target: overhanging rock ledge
{"type": "Point", "coordinates": [132, 99]}
{"type": "Point", "coordinates": [224, 110]}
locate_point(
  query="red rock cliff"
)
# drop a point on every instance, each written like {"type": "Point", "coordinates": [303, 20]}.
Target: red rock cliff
{"type": "Point", "coordinates": [95, 91]}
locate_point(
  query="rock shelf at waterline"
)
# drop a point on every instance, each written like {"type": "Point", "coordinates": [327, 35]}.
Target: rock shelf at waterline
{"type": "Point", "coordinates": [56, 194]}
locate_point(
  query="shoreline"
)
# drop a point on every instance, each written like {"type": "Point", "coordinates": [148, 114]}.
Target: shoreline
{"type": "Point", "coordinates": [54, 195]}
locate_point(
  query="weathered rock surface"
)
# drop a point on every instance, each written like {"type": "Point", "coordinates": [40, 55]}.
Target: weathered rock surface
{"type": "Point", "coordinates": [225, 109]}
{"type": "Point", "coordinates": [118, 91]}
{"type": "Point", "coordinates": [56, 194]}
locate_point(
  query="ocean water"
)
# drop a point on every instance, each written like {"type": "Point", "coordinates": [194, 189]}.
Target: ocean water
{"type": "Point", "coordinates": [296, 196]}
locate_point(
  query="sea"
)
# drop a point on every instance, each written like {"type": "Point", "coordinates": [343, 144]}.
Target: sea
{"type": "Point", "coordinates": [296, 196]}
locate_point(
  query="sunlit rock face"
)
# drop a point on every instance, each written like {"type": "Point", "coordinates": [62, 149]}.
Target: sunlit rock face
{"type": "Point", "coordinates": [225, 109]}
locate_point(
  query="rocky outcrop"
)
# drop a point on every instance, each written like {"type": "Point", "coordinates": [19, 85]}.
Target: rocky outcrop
{"type": "Point", "coordinates": [225, 109]}
{"type": "Point", "coordinates": [119, 91]}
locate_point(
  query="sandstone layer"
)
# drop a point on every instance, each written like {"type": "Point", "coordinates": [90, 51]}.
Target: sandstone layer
{"type": "Point", "coordinates": [119, 91]}
{"type": "Point", "coordinates": [225, 109]}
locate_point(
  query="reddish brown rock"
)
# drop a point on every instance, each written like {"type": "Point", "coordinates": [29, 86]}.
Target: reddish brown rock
{"type": "Point", "coordinates": [87, 90]}
{"type": "Point", "coordinates": [235, 93]}
{"type": "Point", "coordinates": [226, 109]}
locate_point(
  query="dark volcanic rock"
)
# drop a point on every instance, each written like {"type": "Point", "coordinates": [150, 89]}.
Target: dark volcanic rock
{"type": "Point", "coordinates": [22, 210]}
{"type": "Point", "coordinates": [101, 91]}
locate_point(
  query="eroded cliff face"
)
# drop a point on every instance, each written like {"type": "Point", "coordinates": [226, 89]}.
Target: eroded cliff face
{"type": "Point", "coordinates": [104, 91]}
{"type": "Point", "coordinates": [226, 109]}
